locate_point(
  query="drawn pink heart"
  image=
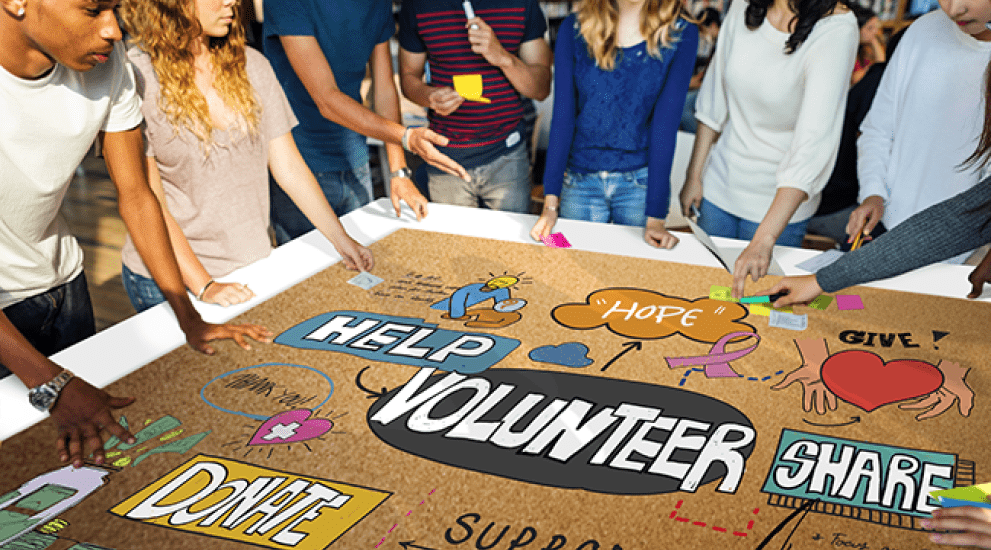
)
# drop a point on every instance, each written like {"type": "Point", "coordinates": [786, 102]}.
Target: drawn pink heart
{"type": "Point", "coordinates": [865, 380]}
{"type": "Point", "coordinates": [290, 427]}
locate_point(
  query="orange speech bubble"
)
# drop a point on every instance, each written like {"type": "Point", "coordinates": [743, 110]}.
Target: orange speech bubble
{"type": "Point", "coordinates": [649, 315]}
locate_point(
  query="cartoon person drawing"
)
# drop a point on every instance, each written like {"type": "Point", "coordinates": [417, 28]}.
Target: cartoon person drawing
{"type": "Point", "coordinates": [503, 311]}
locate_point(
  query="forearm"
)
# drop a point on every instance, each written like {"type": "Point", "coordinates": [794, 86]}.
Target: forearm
{"type": "Point", "coordinates": [142, 215]}
{"type": "Point", "coordinates": [705, 137]}
{"type": "Point", "coordinates": [338, 107]}
{"type": "Point", "coordinates": [295, 178]}
{"type": "Point", "coordinates": [530, 79]}
{"type": "Point", "coordinates": [783, 207]}
{"type": "Point", "coordinates": [933, 235]}
{"type": "Point", "coordinates": [387, 107]}
{"type": "Point", "coordinates": [416, 90]}
{"type": "Point", "coordinates": [18, 355]}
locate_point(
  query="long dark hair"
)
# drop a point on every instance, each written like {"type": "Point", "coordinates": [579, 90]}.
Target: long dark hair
{"type": "Point", "coordinates": [982, 155]}
{"type": "Point", "coordinates": [809, 13]}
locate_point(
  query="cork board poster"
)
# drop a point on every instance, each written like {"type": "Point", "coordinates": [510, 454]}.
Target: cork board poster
{"type": "Point", "coordinates": [490, 395]}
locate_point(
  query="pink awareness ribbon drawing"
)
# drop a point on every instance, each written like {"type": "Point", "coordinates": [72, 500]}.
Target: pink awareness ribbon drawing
{"type": "Point", "coordinates": [716, 362]}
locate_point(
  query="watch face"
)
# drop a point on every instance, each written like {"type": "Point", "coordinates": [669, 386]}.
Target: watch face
{"type": "Point", "coordinates": [42, 397]}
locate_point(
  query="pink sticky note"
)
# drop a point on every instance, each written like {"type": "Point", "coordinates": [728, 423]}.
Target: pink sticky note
{"type": "Point", "coordinates": [849, 301]}
{"type": "Point", "coordinates": [556, 240]}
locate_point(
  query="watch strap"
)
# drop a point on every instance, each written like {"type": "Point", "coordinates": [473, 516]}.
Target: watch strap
{"type": "Point", "coordinates": [60, 381]}
{"type": "Point", "coordinates": [403, 172]}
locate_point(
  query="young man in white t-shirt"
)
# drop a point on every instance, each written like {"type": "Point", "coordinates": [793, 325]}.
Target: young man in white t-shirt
{"type": "Point", "coordinates": [64, 81]}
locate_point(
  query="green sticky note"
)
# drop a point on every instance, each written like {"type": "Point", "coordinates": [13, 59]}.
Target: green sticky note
{"type": "Point", "coordinates": [821, 302]}
{"type": "Point", "coordinates": [755, 299]}
{"type": "Point", "coordinates": [974, 493]}
{"type": "Point", "coordinates": [722, 293]}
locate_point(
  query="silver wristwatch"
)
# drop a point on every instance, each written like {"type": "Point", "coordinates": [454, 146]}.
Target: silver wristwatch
{"type": "Point", "coordinates": [403, 172]}
{"type": "Point", "coordinates": [43, 397]}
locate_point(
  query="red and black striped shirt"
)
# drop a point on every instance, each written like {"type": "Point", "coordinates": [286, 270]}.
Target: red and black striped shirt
{"type": "Point", "coordinates": [437, 27]}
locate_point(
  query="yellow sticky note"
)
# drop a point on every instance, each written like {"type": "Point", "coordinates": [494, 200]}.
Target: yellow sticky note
{"type": "Point", "coordinates": [722, 293]}
{"type": "Point", "coordinates": [760, 309]}
{"type": "Point", "coordinates": [469, 86]}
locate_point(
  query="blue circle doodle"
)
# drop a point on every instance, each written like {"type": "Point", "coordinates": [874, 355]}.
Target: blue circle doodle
{"type": "Point", "coordinates": [258, 416]}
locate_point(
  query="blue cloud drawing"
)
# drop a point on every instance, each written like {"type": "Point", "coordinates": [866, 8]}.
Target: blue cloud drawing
{"type": "Point", "coordinates": [570, 354]}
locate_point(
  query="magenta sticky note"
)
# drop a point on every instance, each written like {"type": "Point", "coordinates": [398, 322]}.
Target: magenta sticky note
{"type": "Point", "coordinates": [849, 301]}
{"type": "Point", "coordinates": [556, 240]}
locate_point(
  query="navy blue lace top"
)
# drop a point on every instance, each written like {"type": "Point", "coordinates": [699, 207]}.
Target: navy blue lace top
{"type": "Point", "coordinates": [619, 120]}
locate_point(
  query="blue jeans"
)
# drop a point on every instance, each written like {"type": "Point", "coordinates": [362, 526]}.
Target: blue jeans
{"type": "Point", "coordinates": [54, 320]}
{"type": "Point", "coordinates": [142, 291]}
{"type": "Point", "coordinates": [345, 191]}
{"type": "Point", "coordinates": [688, 122]}
{"type": "Point", "coordinates": [719, 223]}
{"type": "Point", "coordinates": [503, 184]}
{"type": "Point", "coordinates": [617, 197]}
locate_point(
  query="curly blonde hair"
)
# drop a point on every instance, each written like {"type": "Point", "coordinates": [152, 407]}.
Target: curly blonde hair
{"type": "Point", "coordinates": [598, 20]}
{"type": "Point", "coordinates": [166, 30]}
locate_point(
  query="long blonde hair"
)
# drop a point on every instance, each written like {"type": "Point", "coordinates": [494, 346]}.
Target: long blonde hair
{"type": "Point", "coordinates": [599, 19]}
{"type": "Point", "coordinates": [166, 30]}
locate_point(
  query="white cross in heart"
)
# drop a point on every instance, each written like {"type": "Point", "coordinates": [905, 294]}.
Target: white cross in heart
{"type": "Point", "coordinates": [282, 431]}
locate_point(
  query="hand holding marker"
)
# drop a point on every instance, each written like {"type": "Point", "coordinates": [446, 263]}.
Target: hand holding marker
{"type": "Point", "coordinates": [469, 13]}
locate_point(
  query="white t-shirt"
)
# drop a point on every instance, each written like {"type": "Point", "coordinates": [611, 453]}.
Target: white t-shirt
{"type": "Point", "coordinates": [925, 120]}
{"type": "Point", "coordinates": [46, 127]}
{"type": "Point", "coordinates": [779, 115]}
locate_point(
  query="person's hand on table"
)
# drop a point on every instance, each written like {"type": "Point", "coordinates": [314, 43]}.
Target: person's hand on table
{"type": "Point", "coordinates": [354, 256]}
{"type": "Point", "coordinates": [799, 290]}
{"type": "Point", "coordinates": [404, 190]}
{"type": "Point", "coordinates": [656, 235]}
{"type": "Point", "coordinates": [80, 412]}
{"type": "Point", "coordinates": [445, 100]}
{"type": "Point", "coordinates": [980, 275]}
{"type": "Point", "coordinates": [422, 141]}
{"type": "Point", "coordinates": [548, 218]}
{"type": "Point", "coordinates": [691, 195]}
{"type": "Point", "coordinates": [753, 261]}
{"type": "Point", "coordinates": [199, 334]}
{"type": "Point", "coordinates": [865, 218]}
{"type": "Point", "coordinates": [968, 526]}
{"type": "Point", "coordinates": [226, 294]}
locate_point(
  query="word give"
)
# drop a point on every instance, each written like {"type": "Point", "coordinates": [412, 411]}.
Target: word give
{"type": "Point", "coordinates": [885, 340]}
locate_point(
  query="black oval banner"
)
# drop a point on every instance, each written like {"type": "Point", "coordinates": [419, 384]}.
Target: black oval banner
{"type": "Point", "coordinates": [568, 430]}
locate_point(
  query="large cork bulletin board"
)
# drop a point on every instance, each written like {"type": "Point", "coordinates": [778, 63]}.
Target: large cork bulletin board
{"type": "Point", "coordinates": [490, 395]}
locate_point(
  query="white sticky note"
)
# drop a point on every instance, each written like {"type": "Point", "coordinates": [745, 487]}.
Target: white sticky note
{"type": "Point", "coordinates": [365, 280]}
{"type": "Point", "coordinates": [789, 321]}
{"type": "Point", "coordinates": [819, 261]}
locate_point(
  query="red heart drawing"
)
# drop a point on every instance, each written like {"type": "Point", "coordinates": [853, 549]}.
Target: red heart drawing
{"type": "Point", "coordinates": [290, 427]}
{"type": "Point", "coordinates": [865, 380]}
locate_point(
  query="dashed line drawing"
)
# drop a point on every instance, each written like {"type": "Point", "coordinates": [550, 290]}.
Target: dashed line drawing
{"type": "Point", "coordinates": [749, 378]}
{"type": "Point", "coordinates": [407, 515]}
{"type": "Point", "coordinates": [681, 519]}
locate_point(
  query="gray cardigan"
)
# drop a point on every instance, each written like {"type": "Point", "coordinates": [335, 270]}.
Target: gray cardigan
{"type": "Point", "coordinates": [939, 232]}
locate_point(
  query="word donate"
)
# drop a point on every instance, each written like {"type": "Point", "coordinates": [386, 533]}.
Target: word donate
{"type": "Point", "coordinates": [854, 473]}
{"type": "Point", "coordinates": [232, 500]}
{"type": "Point", "coordinates": [402, 340]}
{"type": "Point", "coordinates": [568, 430]}
{"type": "Point", "coordinates": [644, 314]}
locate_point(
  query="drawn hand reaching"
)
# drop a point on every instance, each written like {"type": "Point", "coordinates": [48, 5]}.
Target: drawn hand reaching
{"type": "Point", "coordinates": [814, 391]}
{"type": "Point", "coordinates": [954, 387]}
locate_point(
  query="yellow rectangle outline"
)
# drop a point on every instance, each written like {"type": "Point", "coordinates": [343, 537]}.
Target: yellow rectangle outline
{"type": "Point", "coordinates": [356, 491]}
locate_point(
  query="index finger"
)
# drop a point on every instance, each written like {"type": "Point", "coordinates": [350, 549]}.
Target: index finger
{"type": "Point", "coordinates": [739, 278]}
